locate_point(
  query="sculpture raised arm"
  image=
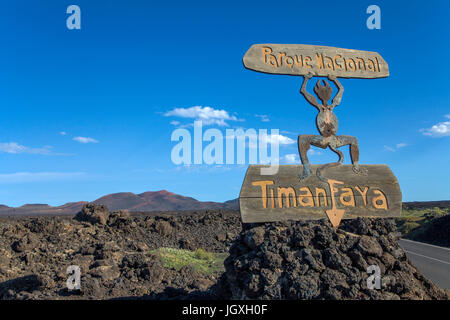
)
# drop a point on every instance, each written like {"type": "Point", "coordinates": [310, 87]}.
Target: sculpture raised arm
{"type": "Point", "coordinates": [337, 99]}
{"type": "Point", "coordinates": [309, 97]}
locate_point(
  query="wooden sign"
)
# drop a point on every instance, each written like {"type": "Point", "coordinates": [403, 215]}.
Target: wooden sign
{"type": "Point", "coordinates": [302, 59]}
{"type": "Point", "coordinates": [344, 195]}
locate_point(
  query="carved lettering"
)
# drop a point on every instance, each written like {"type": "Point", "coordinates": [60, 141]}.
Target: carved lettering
{"type": "Point", "coordinates": [348, 62]}
{"type": "Point", "coordinates": [303, 197]}
{"type": "Point", "coordinates": [288, 193]}
{"type": "Point", "coordinates": [323, 193]}
{"type": "Point", "coordinates": [306, 200]}
{"type": "Point", "coordinates": [363, 193]}
{"type": "Point", "coordinates": [263, 185]}
{"type": "Point", "coordinates": [347, 193]}
{"type": "Point", "coordinates": [380, 201]}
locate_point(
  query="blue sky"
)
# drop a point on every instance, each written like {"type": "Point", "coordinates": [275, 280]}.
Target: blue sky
{"type": "Point", "coordinates": [86, 112]}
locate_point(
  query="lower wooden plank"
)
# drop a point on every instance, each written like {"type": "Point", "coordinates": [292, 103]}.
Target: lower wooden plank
{"type": "Point", "coordinates": [283, 196]}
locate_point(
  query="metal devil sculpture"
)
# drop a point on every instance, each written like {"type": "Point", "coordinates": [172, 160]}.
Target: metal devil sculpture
{"type": "Point", "coordinates": [327, 124]}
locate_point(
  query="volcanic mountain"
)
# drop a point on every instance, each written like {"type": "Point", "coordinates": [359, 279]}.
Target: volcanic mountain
{"type": "Point", "coordinates": [158, 201]}
{"type": "Point", "coordinates": [148, 201]}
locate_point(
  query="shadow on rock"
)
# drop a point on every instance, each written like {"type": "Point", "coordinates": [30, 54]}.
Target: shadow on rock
{"type": "Point", "coordinates": [170, 293]}
{"type": "Point", "coordinates": [19, 288]}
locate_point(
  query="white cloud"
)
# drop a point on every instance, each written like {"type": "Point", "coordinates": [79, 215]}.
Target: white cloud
{"type": "Point", "coordinates": [442, 129]}
{"type": "Point", "coordinates": [85, 140]}
{"type": "Point", "coordinates": [293, 158]}
{"type": "Point", "coordinates": [15, 148]}
{"type": "Point", "coordinates": [18, 177]}
{"type": "Point", "coordinates": [12, 147]}
{"type": "Point", "coordinates": [263, 117]}
{"type": "Point", "coordinates": [266, 139]}
{"type": "Point", "coordinates": [313, 152]}
{"type": "Point", "coordinates": [397, 146]}
{"type": "Point", "coordinates": [289, 132]}
{"type": "Point", "coordinates": [282, 140]}
{"type": "Point", "coordinates": [175, 123]}
{"type": "Point", "coordinates": [447, 116]}
{"type": "Point", "coordinates": [63, 133]}
{"type": "Point", "coordinates": [207, 115]}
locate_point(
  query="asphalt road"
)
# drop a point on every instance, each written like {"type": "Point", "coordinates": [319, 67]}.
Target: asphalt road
{"type": "Point", "coordinates": [432, 261]}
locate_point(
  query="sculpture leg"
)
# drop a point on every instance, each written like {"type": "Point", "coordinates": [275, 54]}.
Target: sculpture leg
{"type": "Point", "coordinates": [354, 151]}
{"type": "Point", "coordinates": [330, 165]}
{"type": "Point", "coordinates": [304, 143]}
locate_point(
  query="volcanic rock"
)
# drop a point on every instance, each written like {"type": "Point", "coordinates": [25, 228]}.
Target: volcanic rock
{"type": "Point", "coordinates": [95, 214]}
{"type": "Point", "coordinates": [116, 252]}
{"type": "Point", "coordinates": [311, 260]}
{"type": "Point", "coordinates": [437, 232]}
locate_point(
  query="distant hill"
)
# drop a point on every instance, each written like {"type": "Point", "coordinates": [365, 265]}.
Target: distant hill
{"type": "Point", "coordinates": [232, 204]}
{"type": "Point", "coordinates": [148, 201]}
{"type": "Point", "coordinates": [159, 201]}
{"type": "Point", "coordinates": [426, 204]}
{"type": "Point", "coordinates": [42, 209]}
{"type": "Point", "coordinates": [35, 206]}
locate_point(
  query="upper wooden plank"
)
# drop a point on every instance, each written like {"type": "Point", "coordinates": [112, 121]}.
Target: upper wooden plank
{"type": "Point", "coordinates": [301, 59]}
